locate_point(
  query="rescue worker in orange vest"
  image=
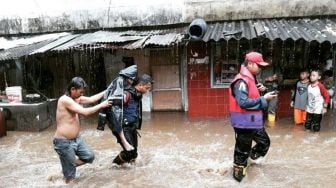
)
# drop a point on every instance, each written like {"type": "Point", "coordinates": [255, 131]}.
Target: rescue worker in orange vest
{"type": "Point", "coordinates": [246, 114]}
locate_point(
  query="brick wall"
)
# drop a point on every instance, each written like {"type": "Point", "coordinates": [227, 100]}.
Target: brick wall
{"type": "Point", "coordinates": [205, 101]}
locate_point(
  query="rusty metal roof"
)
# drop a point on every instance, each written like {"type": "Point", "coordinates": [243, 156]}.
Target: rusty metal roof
{"type": "Point", "coordinates": [319, 30]}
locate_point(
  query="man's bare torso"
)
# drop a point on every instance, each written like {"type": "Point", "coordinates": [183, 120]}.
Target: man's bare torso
{"type": "Point", "coordinates": [66, 120]}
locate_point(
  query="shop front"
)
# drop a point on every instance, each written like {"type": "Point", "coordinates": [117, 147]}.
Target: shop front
{"type": "Point", "coordinates": [215, 59]}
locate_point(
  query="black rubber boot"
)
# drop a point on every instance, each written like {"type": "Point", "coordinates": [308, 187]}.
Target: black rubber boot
{"type": "Point", "coordinates": [118, 160]}
{"type": "Point", "coordinates": [239, 172]}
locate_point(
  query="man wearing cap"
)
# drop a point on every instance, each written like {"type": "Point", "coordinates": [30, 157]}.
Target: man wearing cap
{"type": "Point", "coordinates": [246, 115]}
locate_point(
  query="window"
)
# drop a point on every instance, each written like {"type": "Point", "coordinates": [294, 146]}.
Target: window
{"type": "Point", "coordinates": [225, 62]}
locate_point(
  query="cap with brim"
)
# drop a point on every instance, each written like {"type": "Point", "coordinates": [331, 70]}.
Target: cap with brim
{"type": "Point", "coordinates": [256, 57]}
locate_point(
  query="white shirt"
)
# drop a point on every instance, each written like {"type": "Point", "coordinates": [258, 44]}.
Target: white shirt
{"type": "Point", "coordinates": [315, 100]}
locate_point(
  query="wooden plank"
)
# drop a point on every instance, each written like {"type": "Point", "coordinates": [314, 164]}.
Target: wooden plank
{"type": "Point", "coordinates": [167, 100]}
{"type": "Point", "coordinates": [166, 76]}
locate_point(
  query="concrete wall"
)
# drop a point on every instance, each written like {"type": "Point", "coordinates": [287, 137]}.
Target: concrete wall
{"type": "Point", "coordinates": [34, 16]}
{"type": "Point", "coordinates": [56, 15]}
{"type": "Point", "coordinates": [30, 117]}
{"type": "Point", "coordinates": [247, 9]}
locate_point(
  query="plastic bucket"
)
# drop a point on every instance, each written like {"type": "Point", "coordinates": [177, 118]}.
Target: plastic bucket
{"type": "Point", "coordinates": [271, 117]}
{"type": "Point", "coordinates": [14, 94]}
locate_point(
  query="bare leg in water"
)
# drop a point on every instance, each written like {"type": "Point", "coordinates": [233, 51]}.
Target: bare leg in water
{"type": "Point", "coordinates": [78, 162]}
{"type": "Point", "coordinates": [124, 142]}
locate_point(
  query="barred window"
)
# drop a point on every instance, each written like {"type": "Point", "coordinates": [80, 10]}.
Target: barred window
{"type": "Point", "coordinates": [225, 63]}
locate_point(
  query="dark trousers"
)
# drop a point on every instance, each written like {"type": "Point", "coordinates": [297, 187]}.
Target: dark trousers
{"type": "Point", "coordinates": [243, 147]}
{"type": "Point", "coordinates": [313, 121]}
{"type": "Point", "coordinates": [131, 135]}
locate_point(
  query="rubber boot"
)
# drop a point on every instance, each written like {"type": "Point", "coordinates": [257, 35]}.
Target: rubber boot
{"type": "Point", "coordinates": [239, 172]}
{"type": "Point", "coordinates": [118, 160]}
{"type": "Point", "coordinates": [256, 158]}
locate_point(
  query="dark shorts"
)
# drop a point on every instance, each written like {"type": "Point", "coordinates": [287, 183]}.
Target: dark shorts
{"type": "Point", "coordinates": [68, 149]}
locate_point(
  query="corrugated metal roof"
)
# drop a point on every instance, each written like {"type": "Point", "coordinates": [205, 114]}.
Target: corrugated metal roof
{"type": "Point", "coordinates": [20, 51]}
{"type": "Point", "coordinates": [110, 37]}
{"type": "Point", "coordinates": [54, 44]}
{"type": "Point", "coordinates": [136, 44]}
{"type": "Point", "coordinates": [319, 30]}
{"type": "Point", "coordinates": [137, 39]}
{"type": "Point", "coordinates": [73, 43]}
{"type": "Point", "coordinates": [13, 42]}
{"type": "Point", "coordinates": [64, 41]}
{"type": "Point", "coordinates": [156, 40]}
{"type": "Point", "coordinates": [163, 40]}
{"type": "Point", "coordinates": [100, 37]}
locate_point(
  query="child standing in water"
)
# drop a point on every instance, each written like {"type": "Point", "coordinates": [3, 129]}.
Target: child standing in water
{"type": "Point", "coordinates": [300, 97]}
{"type": "Point", "coordinates": [318, 100]}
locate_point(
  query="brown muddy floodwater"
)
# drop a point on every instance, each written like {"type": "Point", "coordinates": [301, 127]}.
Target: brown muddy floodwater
{"type": "Point", "coordinates": [176, 151]}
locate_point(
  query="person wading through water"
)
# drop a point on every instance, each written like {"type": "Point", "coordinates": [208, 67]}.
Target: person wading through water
{"type": "Point", "coordinates": [67, 142]}
{"type": "Point", "coordinates": [246, 114]}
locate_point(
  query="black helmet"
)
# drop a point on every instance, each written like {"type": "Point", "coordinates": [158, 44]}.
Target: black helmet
{"type": "Point", "coordinates": [130, 72]}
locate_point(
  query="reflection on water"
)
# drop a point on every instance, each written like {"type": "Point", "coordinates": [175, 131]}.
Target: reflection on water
{"type": "Point", "coordinates": [175, 151]}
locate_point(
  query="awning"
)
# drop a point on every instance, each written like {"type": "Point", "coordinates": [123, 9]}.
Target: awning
{"type": "Point", "coordinates": [319, 30]}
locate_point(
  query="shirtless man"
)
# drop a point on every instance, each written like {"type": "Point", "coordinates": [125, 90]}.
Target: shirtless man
{"type": "Point", "coordinates": [67, 141]}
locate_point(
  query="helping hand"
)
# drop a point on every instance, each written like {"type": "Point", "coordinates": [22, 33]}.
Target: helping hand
{"type": "Point", "coordinates": [106, 103]}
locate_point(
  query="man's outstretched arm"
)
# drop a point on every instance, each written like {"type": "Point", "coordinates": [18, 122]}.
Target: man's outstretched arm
{"type": "Point", "coordinates": [92, 99]}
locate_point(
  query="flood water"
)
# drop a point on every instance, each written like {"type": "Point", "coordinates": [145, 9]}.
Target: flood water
{"type": "Point", "coordinates": [176, 151]}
